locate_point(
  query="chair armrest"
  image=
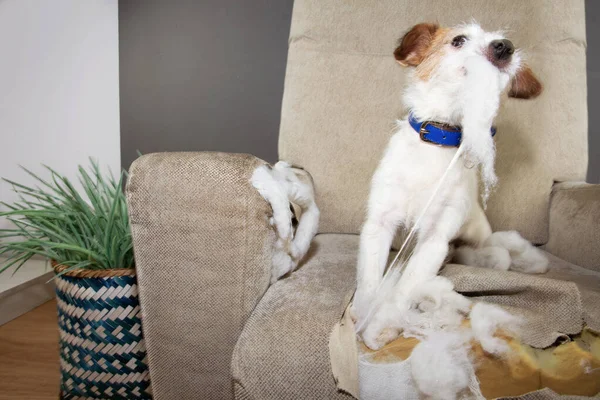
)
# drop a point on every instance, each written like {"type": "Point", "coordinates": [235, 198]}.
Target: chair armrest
{"type": "Point", "coordinates": [575, 223]}
{"type": "Point", "coordinates": [203, 248]}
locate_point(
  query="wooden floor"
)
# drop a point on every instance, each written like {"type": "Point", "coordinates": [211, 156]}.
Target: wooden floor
{"type": "Point", "coordinates": [29, 367]}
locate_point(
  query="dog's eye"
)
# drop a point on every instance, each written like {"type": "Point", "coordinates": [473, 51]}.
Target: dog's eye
{"type": "Point", "coordinates": [459, 40]}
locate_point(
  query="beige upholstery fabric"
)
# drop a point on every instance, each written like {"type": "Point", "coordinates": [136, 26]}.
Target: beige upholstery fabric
{"type": "Point", "coordinates": [588, 284]}
{"type": "Point", "coordinates": [282, 352]}
{"type": "Point", "coordinates": [202, 248]}
{"type": "Point", "coordinates": [343, 88]}
{"type": "Point", "coordinates": [552, 304]}
{"type": "Point", "coordinates": [575, 223]}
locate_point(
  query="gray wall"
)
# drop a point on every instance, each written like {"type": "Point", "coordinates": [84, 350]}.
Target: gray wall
{"type": "Point", "coordinates": [202, 75]}
{"type": "Point", "coordinates": [208, 75]}
{"type": "Point", "coordinates": [592, 8]}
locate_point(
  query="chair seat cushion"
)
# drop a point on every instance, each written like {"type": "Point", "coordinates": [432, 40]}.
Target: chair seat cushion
{"type": "Point", "coordinates": [563, 355]}
{"type": "Point", "coordinates": [569, 368]}
{"type": "Point", "coordinates": [557, 303]}
{"type": "Point", "coordinates": [282, 352]}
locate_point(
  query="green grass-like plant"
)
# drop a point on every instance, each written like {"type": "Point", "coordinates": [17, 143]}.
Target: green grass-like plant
{"type": "Point", "coordinates": [56, 222]}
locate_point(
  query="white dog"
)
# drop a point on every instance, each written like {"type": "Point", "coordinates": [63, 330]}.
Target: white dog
{"type": "Point", "coordinates": [457, 77]}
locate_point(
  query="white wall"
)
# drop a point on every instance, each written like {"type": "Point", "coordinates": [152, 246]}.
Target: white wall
{"type": "Point", "coordinates": [59, 86]}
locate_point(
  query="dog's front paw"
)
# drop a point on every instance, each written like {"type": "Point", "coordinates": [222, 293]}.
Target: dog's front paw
{"type": "Point", "coordinates": [525, 257]}
{"type": "Point", "coordinates": [434, 305]}
{"type": "Point", "coordinates": [379, 330]}
{"type": "Point", "coordinates": [376, 339]}
{"type": "Point", "coordinates": [282, 264]}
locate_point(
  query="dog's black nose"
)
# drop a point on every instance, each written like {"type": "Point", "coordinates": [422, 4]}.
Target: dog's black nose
{"type": "Point", "coordinates": [502, 49]}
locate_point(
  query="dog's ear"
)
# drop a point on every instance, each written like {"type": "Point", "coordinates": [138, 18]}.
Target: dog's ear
{"type": "Point", "coordinates": [414, 44]}
{"type": "Point", "coordinates": [525, 85]}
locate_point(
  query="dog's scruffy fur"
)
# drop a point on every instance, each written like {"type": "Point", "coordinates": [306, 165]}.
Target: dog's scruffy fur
{"type": "Point", "coordinates": [457, 76]}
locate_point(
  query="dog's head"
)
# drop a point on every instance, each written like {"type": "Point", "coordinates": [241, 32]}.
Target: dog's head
{"type": "Point", "coordinates": [458, 76]}
{"type": "Point", "coordinates": [438, 56]}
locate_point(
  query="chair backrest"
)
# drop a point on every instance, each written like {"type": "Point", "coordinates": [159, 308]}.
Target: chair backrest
{"type": "Point", "coordinates": [343, 93]}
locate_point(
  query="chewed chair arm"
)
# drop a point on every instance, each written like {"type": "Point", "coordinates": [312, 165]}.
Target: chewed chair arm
{"type": "Point", "coordinates": [575, 223]}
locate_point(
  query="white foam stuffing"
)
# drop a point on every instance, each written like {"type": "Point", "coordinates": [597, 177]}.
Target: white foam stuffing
{"type": "Point", "coordinates": [435, 306]}
{"type": "Point", "coordinates": [531, 261]}
{"type": "Point", "coordinates": [504, 250]}
{"type": "Point", "coordinates": [525, 256]}
{"type": "Point", "coordinates": [279, 186]}
{"type": "Point", "coordinates": [442, 369]}
{"type": "Point", "coordinates": [430, 306]}
{"type": "Point", "coordinates": [441, 365]}
{"type": "Point", "coordinates": [486, 319]}
{"type": "Point", "coordinates": [485, 257]}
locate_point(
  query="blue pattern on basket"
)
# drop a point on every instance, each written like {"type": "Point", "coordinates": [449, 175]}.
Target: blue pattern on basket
{"type": "Point", "coordinates": [102, 350]}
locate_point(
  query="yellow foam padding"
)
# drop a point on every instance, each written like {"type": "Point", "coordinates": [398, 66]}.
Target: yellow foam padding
{"type": "Point", "coordinates": [399, 349]}
{"type": "Point", "coordinates": [512, 375]}
{"type": "Point", "coordinates": [569, 368]}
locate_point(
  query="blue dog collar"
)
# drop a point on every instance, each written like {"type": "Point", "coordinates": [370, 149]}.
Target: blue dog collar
{"type": "Point", "coordinates": [438, 133]}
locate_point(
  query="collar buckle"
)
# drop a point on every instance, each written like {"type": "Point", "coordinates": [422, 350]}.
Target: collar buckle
{"type": "Point", "coordinates": [423, 131]}
{"type": "Point", "coordinates": [445, 127]}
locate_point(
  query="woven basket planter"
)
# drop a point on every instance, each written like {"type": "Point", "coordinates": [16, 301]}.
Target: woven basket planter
{"type": "Point", "coordinates": [102, 351]}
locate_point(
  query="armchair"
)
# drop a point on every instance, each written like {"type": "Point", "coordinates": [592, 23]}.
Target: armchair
{"type": "Point", "coordinates": [215, 328]}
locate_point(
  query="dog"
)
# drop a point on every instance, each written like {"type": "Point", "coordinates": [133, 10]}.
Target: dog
{"type": "Point", "coordinates": [457, 77]}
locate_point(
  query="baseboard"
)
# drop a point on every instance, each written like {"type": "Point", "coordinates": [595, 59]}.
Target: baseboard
{"type": "Point", "coordinates": [26, 296]}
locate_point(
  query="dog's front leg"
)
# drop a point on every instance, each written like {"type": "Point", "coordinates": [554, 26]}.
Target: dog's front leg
{"type": "Point", "coordinates": [424, 264]}
{"type": "Point", "coordinates": [375, 241]}
{"type": "Point", "coordinates": [438, 228]}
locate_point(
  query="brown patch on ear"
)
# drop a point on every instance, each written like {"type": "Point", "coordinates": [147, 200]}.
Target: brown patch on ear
{"type": "Point", "coordinates": [414, 44]}
{"type": "Point", "coordinates": [525, 85]}
{"type": "Point", "coordinates": [434, 55]}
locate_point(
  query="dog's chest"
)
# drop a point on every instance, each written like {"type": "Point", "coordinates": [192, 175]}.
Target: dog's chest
{"type": "Point", "coordinates": [414, 168]}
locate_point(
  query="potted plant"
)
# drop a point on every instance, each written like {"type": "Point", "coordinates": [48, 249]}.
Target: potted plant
{"type": "Point", "coordinates": [87, 239]}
